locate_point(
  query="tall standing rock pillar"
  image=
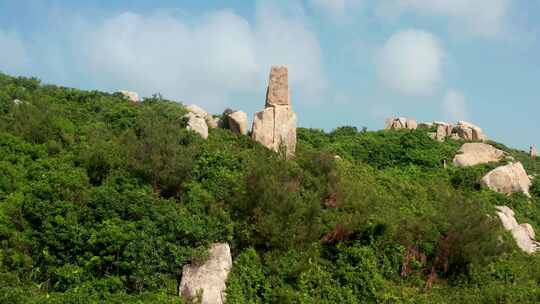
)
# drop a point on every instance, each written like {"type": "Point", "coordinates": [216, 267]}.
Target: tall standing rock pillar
{"type": "Point", "coordinates": [275, 126]}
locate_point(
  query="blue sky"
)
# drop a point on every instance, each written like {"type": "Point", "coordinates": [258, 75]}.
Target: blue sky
{"type": "Point", "coordinates": [351, 62]}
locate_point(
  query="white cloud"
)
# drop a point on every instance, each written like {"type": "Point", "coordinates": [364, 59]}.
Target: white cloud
{"type": "Point", "coordinates": [411, 62]}
{"type": "Point", "coordinates": [487, 18]}
{"type": "Point", "coordinates": [454, 105]}
{"type": "Point", "coordinates": [14, 57]}
{"type": "Point", "coordinates": [335, 8]}
{"type": "Point", "coordinates": [204, 61]}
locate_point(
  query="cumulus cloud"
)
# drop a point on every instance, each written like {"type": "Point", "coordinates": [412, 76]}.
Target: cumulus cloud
{"type": "Point", "coordinates": [411, 62]}
{"type": "Point", "coordinates": [201, 63]}
{"type": "Point", "coordinates": [14, 58]}
{"type": "Point", "coordinates": [208, 59]}
{"type": "Point", "coordinates": [487, 18]}
{"type": "Point", "coordinates": [335, 8]}
{"type": "Point", "coordinates": [205, 61]}
{"type": "Point", "coordinates": [454, 105]}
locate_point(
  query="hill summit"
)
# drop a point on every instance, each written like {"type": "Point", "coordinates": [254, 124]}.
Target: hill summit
{"type": "Point", "coordinates": [113, 198]}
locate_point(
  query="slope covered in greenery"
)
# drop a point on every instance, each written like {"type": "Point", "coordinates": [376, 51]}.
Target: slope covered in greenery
{"type": "Point", "coordinates": [103, 201]}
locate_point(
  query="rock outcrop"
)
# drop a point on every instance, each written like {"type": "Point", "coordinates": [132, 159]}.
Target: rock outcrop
{"type": "Point", "coordinates": [401, 123]}
{"type": "Point", "coordinates": [468, 131]}
{"type": "Point", "coordinates": [275, 126]}
{"type": "Point", "coordinates": [197, 124]}
{"type": "Point", "coordinates": [463, 130]}
{"type": "Point", "coordinates": [523, 234]}
{"type": "Point", "coordinates": [443, 130]}
{"type": "Point", "coordinates": [471, 154]}
{"type": "Point", "coordinates": [532, 152]}
{"type": "Point", "coordinates": [211, 122]}
{"type": "Point", "coordinates": [131, 96]}
{"type": "Point", "coordinates": [207, 282]}
{"type": "Point", "coordinates": [238, 122]}
{"type": "Point", "coordinates": [508, 179]}
{"type": "Point", "coordinates": [195, 109]}
{"type": "Point", "coordinates": [277, 93]}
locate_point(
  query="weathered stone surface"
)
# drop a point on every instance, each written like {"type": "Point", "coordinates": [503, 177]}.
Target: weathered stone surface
{"type": "Point", "coordinates": [400, 123]}
{"type": "Point", "coordinates": [508, 179]}
{"type": "Point", "coordinates": [411, 124]}
{"type": "Point", "coordinates": [238, 122]}
{"type": "Point", "coordinates": [275, 126]}
{"type": "Point", "coordinates": [213, 122]}
{"type": "Point", "coordinates": [523, 234]}
{"type": "Point", "coordinates": [209, 279]}
{"type": "Point", "coordinates": [195, 109]}
{"type": "Point", "coordinates": [464, 133]}
{"type": "Point", "coordinates": [17, 101]}
{"type": "Point", "coordinates": [532, 152]}
{"type": "Point", "coordinates": [529, 229]}
{"type": "Point", "coordinates": [197, 124]}
{"type": "Point", "coordinates": [468, 131]}
{"type": "Point", "coordinates": [278, 87]}
{"type": "Point", "coordinates": [441, 133]}
{"type": "Point", "coordinates": [262, 129]}
{"type": "Point", "coordinates": [131, 96]}
{"type": "Point", "coordinates": [472, 154]}
{"type": "Point", "coordinates": [285, 130]}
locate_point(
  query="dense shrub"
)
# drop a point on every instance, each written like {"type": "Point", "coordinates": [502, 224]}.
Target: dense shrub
{"type": "Point", "coordinates": [104, 201]}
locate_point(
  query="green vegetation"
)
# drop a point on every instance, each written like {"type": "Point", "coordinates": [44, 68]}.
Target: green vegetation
{"type": "Point", "coordinates": [103, 201]}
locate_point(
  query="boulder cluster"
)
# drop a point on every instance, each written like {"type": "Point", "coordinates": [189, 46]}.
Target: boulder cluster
{"type": "Point", "coordinates": [442, 130]}
{"type": "Point", "coordinates": [462, 130]}
{"type": "Point", "coordinates": [507, 179]}
{"type": "Point", "coordinates": [522, 233]}
{"type": "Point", "coordinates": [274, 127]}
{"type": "Point", "coordinates": [400, 123]}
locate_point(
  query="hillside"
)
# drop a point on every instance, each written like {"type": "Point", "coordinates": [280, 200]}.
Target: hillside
{"type": "Point", "coordinates": [105, 200]}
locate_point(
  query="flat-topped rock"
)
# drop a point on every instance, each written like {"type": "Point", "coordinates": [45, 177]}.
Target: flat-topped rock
{"type": "Point", "coordinates": [523, 234]}
{"type": "Point", "coordinates": [471, 154]}
{"type": "Point", "coordinates": [508, 179]}
{"type": "Point", "coordinates": [209, 279]}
